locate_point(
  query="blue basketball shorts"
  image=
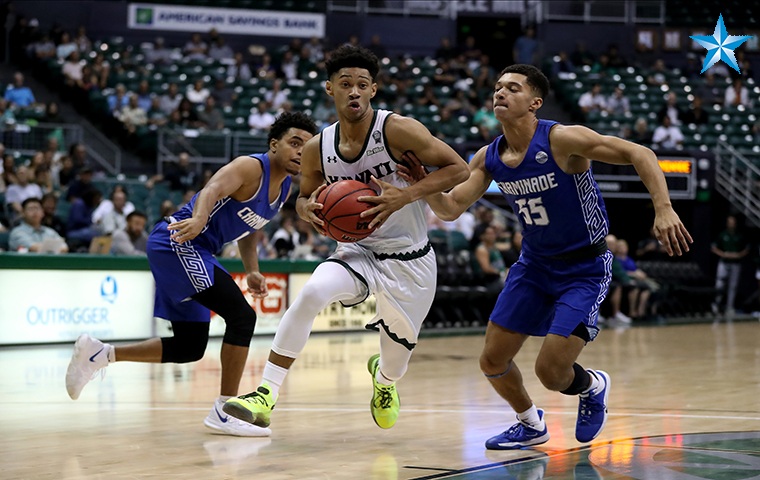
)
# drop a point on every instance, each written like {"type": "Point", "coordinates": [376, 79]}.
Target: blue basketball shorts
{"type": "Point", "coordinates": [180, 271]}
{"type": "Point", "coordinates": [544, 296]}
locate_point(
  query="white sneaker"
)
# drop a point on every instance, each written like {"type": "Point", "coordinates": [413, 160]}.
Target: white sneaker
{"type": "Point", "coordinates": [90, 355]}
{"type": "Point", "coordinates": [223, 424]}
{"type": "Point", "coordinates": [622, 318]}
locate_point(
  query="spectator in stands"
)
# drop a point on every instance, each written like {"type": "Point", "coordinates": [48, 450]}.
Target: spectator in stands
{"type": "Point", "coordinates": [167, 208]}
{"type": "Point", "coordinates": [650, 248]}
{"type": "Point", "coordinates": [65, 47]}
{"type": "Point", "coordinates": [736, 94]}
{"type": "Point", "coordinates": [658, 75]}
{"type": "Point", "coordinates": [638, 298]}
{"type": "Point", "coordinates": [170, 100]}
{"type": "Point", "coordinates": [159, 54]}
{"type": "Point", "coordinates": [240, 71]}
{"type": "Point", "coordinates": [197, 93]}
{"type": "Point", "coordinates": [731, 247]}
{"type": "Point", "coordinates": [44, 49]}
{"type": "Point", "coordinates": [222, 94]}
{"type": "Point", "coordinates": [17, 94]}
{"type": "Point", "coordinates": [512, 254]}
{"type": "Point", "coordinates": [316, 50]}
{"type": "Point", "coordinates": [525, 48]}
{"type": "Point", "coordinates": [483, 74]}
{"type": "Point", "coordinates": [602, 68]}
{"type": "Point", "coordinates": [620, 281]}
{"type": "Point", "coordinates": [428, 97]}
{"type": "Point", "coordinates": [667, 136]}
{"type": "Point", "coordinates": [133, 117]}
{"type": "Point", "coordinates": [78, 153]}
{"type": "Point", "coordinates": [265, 69]}
{"type": "Point", "coordinates": [376, 46]}
{"type": "Point", "coordinates": [52, 114]}
{"type": "Point", "coordinates": [79, 227]}
{"type": "Point", "coordinates": [562, 66]}
{"type": "Point", "coordinates": [31, 236]}
{"type": "Point", "coordinates": [285, 238]}
{"type": "Point", "coordinates": [447, 128]}
{"type": "Point", "coordinates": [83, 43]}
{"type": "Point", "coordinates": [66, 174]}
{"type": "Point", "coordinates": [195, 48]}
{"type": "Point", "coordinates": [211, 117]}
{"type": "Point", "coordinates": [289, 66]}
{"type": "Point", "coordinates": [102, 69]}
{"type": "Point", "coordinates": [50, 219]}
{"type": "Point", "coordinates": [616, 59]}
{"type": "Point", "coordinates": [132, 239]}
{"type": "Point", "coordinates": [118, 100]}
{"type": "Point", "coordinates": [276, 96]}
{"type": "Point", "coordinates": [261, 119]}
{"type": "Point", "coordinates": [709, 90]}
{"type": "Point", "coordinates": [188, 115]}
{"type": "Point", "coordinates": [72, 69]}
{"type": "Point", "coordinates": [488, 126]}
{"type": "Point", "coordinates": [156, 116]}
{"type": "Point", "coordinates": [693, 68]}
{"type": "Point", "coordinates": [593, 100]}
{"type": "Point", "coordinates": [581, 56]}
{"type": "Point", "coordinates": [484, 217]}
{"type": "Point", "coordinates": [6, 114]}
{"type": "Point", "coordinates": [43, 177]}
{"type": "Point", "coordinates": [489, 264]}
{"type": "Point", "coordinates": [181, 176]}
{"type": "Point", "coordinates": [144, 97]}
{"type": "Point", "coordinates": [696, 114]}
{"type": "Point", "coordinates": [24, 188]}
{"type": "Point", "coordinates": [618, 103]}
{"type": "Point", "coordinates": [111, 214]}
{"type": "Point", "coordinates": [219, 50]}
{"type": "Point", "coordinates": [671, 109]}
{"type": "Point", "coordinates": [80, 184]}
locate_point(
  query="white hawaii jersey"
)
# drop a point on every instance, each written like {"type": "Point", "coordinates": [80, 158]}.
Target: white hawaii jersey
{"type": "Point", "coordinates": [405, 229]}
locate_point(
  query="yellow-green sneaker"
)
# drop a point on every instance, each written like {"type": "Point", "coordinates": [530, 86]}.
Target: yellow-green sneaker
{"type": "Point", "coordinates": [384, 404]}
{"type": "Point", "coordinates": [255, 407]}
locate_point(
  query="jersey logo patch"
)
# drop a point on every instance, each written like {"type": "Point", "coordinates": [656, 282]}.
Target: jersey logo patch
{"type": "Point", "coordinates": [332, 159]}
{"type": "Point", "coordinates": [376, 136]}
{"type": "Point", "coordinates": [542, 157]}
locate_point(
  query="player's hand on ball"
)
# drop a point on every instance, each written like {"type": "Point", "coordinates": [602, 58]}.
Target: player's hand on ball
{"type": "Point", "coordinates": [391, 198]}
{"type": "Point", "coordinates": [413, 171]}
{"type": "Point", "coordinates": [257, 284]}
{"type": "Point", "coordinates": [186, 230]}
{"type": "Point", "coordinates": [311, 208]}
{"type": "Point", "coordinates": [671, 232]}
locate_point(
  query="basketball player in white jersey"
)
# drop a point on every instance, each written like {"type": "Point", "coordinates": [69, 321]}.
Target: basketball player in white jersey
{"type": "Point", "coordinates": [395, 263]}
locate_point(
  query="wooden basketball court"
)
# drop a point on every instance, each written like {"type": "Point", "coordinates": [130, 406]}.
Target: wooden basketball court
{"type": "Point", "coordinates": [684, 404]}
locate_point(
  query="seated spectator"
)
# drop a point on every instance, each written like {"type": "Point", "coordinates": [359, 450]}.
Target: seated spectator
{"type": "Point", "coordinates": [188, 115]}
{"type": "Point", "coordinates": [44, 48]}
{"type": "Point", "coordinates": [489, 264]}
{"type": "Point", "coordinates": [650, 248]}
{"type": "Point", "coordinates": [133, 116]}
{"type": "Point", "coordinates": [219, 50]}
{"type": "Point", "coordinates": [8, 169]}
{"type": "Point", "coordinates": [156, 116]}
{"type": "Point", "coordinates": [658, 76]}
{"type": "Point", "coordinates": [65, 47]}
{"type": "Point", "coordinates": [581, 56]}
{"type": "Point", "coordinates": [6, 113]}
{"type": "Point", "coordinates": [616, 58]}
{"type": "Point", "coordinates": [639, 297]}
{"type": "Point", "coordinates": [170, 100]}
{"type": "Point", "coordinates": [222, 94]}
{"type": "Point", "coordinates": [671, 109]}
{"type": "Point", "coordinates": [197, 93]}
{"type": "Point", "coordinates": [667, 136]}
{"type": "Point", "coordinates": [17, 94]}
{"type": "Point", "coordinates": [80, 228]}
{"type": "Point", "coordinates": [30, 235]}
{"type": "Point", "coordinates": [486, 121]}
{"type": "Point", "coordinates": [602, 68]}
{"type": "Point", "coordinates": [118, 100]}
{"type": "Point", "coordinates": [289, 66]}
{"type": "Point", "coordinates": [195, 48]}
{"type": "Point", "coordinates": [593, 100]}
{"type": "Point", "coordinates": [709, 90]}
{"type": "Point", "coordinates": [696, 114]}
{"type": "Point", "coordinates": [132, 239]}
{"type": "Point", "coordinates": [620, 281]}
{"type": "Point", "coordinates": [285, 238]}
{"type": "Point", "coordinates": [83, 43]}
{"type": "Point", "coordinates": [144, 97]}
{"type": "Point", "coordinates": [562, 66]}
{"type": "Point", "coordinates": [240, 71]}
{"type": "Point", "coordinates": [159, 54]}
{"type": "Point", "coordinates": [181, 176]}
{"type": "Point", "coordinates": [618, 103]}
{"type": "Point", "coordinates": [17, 193]}
{"type": "Point", "coordinates": [50, 219]}
{"type": "Point", "coordinates": [512, 254]}
{"type": "Point", "coordinates": [736, 94]}
{"type": "Point", "coordinates": [66, 174]}
{"type": "Point", "coordinates": [261, 120]}
{"type": "Point", "coordinates": [211, 117]}
{"type": "Point", "coordinates": [80, 184]}
{"type": "Point", "coordinates": [111, 214]}
{"type": "Point", "coordinates": [277, 95]}
{"type": "Point", "coordinates": [72, 69]}
{"type": "Point", "coordinates": [446, 51]}
{"type": "Point", "coordinates": [43, 177]}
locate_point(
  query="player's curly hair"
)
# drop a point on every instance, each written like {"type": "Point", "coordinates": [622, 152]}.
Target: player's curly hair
{"type": "Point", "coordinates": [349, 56]}
{"type": "Point", "coordinates": [535, 77]}
{"type": "Point", "coordinates": [289, 120]}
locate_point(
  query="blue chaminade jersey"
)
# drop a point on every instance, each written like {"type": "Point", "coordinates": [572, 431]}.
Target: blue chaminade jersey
{"type": "Point", "coordinates": [559, 213]}
{"type": "Point", "coordinates": [231, 220]}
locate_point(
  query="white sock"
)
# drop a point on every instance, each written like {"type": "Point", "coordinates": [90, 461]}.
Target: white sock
{"type": "Point", "coordinates": [531, 418]}
{"type": "Point", "coordinates": [224, 398]}
{"type": "Point", "coordinates": [274, 376]}
{"type": "Point", "coordinates": [111, 353]}
{"type": "Point", "coordinates": [380, 378]}
{"type": "Point", "coordinates": [596, 382]}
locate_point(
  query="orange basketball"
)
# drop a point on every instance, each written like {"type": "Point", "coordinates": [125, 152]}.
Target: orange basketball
{"type": "Point", "coordinates": [341, 210]}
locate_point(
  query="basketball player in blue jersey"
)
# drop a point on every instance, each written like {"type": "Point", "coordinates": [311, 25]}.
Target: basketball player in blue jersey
{"type": "Point", "coordinates": [395, 262]}
{"type": "Point", "coordinates": [563, 273]}
{"type": "Point", "coordinates": [238, 200]}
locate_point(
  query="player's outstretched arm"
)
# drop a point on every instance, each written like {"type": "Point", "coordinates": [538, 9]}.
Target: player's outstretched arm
{"type": "Point", "coordinates": [408, 135]}
{"type": "Point", "coordinates": [567, 140]}
{"type": "Point", "coordinates": [242, 172]}
{"type": "Point", "coordinates": [450, 205]}
{"type": "Point", "coordinates": [312, 182]}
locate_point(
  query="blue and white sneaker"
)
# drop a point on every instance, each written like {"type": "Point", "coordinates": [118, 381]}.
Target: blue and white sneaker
{"type": "Point", "coordinates": [592, 409]}
{"type": "Point", "coordinates": [519, 435]}
{"type": "Point", "coordinates": [223, 424]}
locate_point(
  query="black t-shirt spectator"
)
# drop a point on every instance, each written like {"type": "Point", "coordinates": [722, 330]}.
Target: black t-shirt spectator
{"type": "Point", "coordinates": [181, 179]}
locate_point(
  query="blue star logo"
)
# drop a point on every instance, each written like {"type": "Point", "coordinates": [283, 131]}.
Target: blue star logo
{"type": "Point", "coordinates": [720, 46]}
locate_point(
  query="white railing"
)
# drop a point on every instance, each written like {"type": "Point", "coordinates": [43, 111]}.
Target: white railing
{"type": "Point", "coordinates": [738, 179]}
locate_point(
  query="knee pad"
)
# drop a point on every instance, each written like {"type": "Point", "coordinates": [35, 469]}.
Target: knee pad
{"type": "Point", "coordinates": [184, 346]}
{"type": "Point", "coordinates": [239, 329]}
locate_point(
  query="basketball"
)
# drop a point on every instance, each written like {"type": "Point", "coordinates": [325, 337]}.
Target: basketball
{"type": "Point", "coordinates": [341, 210]}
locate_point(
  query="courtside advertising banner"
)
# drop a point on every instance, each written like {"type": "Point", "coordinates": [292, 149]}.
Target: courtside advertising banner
{"type": "Point", "coordinates": [42, 306]}
{"type": "Point", "coordinates": [225, 20]}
